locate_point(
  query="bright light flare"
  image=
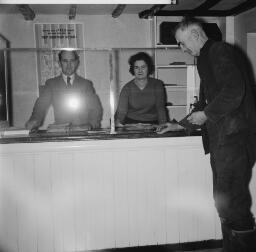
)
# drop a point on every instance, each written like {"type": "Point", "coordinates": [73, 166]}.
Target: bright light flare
{"type": "Point", "coordinates": [73, 103]}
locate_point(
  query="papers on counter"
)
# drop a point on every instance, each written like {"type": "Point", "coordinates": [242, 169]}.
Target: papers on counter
{"type": "Point", "coordinates": [13, 132]}
{"type": "Point", "coordinates": [139, 126]}
{"type": "Point", "coordinates": [56, 128]}
{"type": "Point", "coordinates": [67, 127]}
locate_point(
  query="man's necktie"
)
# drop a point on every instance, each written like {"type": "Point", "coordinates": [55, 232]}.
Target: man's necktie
{"type": "Point", "coordinates": [68, 82]}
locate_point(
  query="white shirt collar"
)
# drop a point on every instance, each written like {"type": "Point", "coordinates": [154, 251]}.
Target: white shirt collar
{"type": "Point", "coordinates": [72, 77]}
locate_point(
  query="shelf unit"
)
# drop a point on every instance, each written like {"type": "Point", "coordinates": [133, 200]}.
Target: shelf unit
{"type": "Point", "coordinates": [178, 71]}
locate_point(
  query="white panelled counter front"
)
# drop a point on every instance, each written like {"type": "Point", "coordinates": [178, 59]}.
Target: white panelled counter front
{"type": "Point", "coordinates": [96, 194]}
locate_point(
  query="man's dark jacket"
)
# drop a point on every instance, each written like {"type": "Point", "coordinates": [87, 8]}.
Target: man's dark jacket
{"type": "Point", "coordinates": [57, 94]}
{"type": "Point", "coordinates": [226, 95]}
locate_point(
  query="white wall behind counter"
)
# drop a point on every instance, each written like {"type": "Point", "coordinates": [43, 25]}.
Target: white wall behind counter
{"type": "Point", "coordinates": [128, 30]}
{"type": "Point", "coordinates": [243, 24]}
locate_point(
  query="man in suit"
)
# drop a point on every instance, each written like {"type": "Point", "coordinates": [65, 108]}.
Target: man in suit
{"type": "Point", "coordinates": [73, 98]}
{"type": "Point", "coordinates": [226, 113]}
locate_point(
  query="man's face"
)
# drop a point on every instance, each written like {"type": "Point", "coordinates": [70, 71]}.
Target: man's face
{"type": "Point", "coordinates": [140, 69]}
{"type": "Point", "coordinates": [188, 41]}
{"type": "Point", "coordinates": [68, 63]}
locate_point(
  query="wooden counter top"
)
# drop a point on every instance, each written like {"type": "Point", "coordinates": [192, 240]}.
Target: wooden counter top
{"type": "Point", "coordinates": [43, 136]}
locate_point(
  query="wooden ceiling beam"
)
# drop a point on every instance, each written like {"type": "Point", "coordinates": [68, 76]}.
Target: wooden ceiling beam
{"type": "Point", "coordinates": [152, 11]}
{"type": "Point", "coordinates": [208, 4]}
{"type": "Point", "coordinates": [249, 4]}
{"type": "Point", "coordinates": [209, 13]}
{"type": "Point", "coordinates": [72, 12]}
{"type": "Point", "coordinates": [26, 11]}
{"type": "Point", "coordinates": [118, 10]}
{"type": "Point", "coordinates": [204, 10]}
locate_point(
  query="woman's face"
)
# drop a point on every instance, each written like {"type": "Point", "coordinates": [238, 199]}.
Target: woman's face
{"type": "Point", "coordinates": [140, 69]}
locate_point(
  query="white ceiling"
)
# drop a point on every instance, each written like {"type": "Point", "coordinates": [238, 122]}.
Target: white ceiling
{"type": "Point", "coordinates": [83, 9]}
{"type": "Point", "coordinates": [107, 9]}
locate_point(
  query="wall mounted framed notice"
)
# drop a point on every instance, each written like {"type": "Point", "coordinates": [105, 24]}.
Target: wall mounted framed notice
{"type": "Point", "coordinates": [53, 36]}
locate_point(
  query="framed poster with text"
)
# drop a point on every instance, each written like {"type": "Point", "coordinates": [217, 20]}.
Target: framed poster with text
{"type": "Point", "coordinates": [54, 36]}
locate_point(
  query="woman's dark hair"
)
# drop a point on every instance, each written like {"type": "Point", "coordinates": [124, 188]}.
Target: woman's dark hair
{"type": "Point", "coordinates": [141, 56]}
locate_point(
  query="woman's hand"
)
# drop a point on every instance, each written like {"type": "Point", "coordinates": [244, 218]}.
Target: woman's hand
{"type": "Point", "coordinates": [163, 128]}
{"type": "Point", "coordinates": [32, 124]}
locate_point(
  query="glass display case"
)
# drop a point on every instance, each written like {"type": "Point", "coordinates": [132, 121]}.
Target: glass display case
{"type": "Point", "coordinates": [30, 68]}
{"type": "Point", "coordinates": [108, 71]}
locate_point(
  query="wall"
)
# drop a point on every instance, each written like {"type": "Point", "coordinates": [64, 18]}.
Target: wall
{"type": "Point", "coordinates": [244, 23]}
{"type": "Point", "coordinates": [251, 50]}
{"type": "Point", "coordinates": [245, 37]}
{"type": "Point", "coordinates": [100, 31]}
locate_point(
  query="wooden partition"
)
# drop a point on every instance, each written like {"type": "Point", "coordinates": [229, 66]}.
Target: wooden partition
{"type": "Point", "coordinates": [84, 195]}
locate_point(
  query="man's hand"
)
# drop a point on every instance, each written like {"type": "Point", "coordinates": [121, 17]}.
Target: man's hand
{"type": "Point", "coordinates": [94, 125]}
{"type": "Point", "coordinates": [118, 123]}
{"type": "Point", "coordinates": [198, 118]}
{"type": "Point", "coordinates": [32, 124]}
{"type": "Point", "coordinates": [163, 128]}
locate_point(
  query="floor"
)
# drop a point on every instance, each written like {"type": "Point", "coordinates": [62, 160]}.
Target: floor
{"type": "Point", "coordinates": [206, 250]}
{"type": "Point", "coordinates": [171, 250]}
{"type": "Point", "coordinates": [202, 246]}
